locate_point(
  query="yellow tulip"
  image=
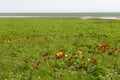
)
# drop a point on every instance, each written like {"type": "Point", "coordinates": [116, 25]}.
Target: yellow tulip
{"type": "Point", "coordinates": [88, 59]}
{"type": "Point", "coordinates": [60, 53]}
{"type": "Point", "coordinates": [80, 52]}
{"type": "Point", "coordinates": [100, 44]}
{"type": "Point", "coordinates": [39, 77]}
{"type": "Point", "coordinates": [9, 41]}
{"type": "Point", "coordinates": [57, 54]}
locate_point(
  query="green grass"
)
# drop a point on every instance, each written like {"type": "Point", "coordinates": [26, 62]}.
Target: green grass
{"type": "Point", "coordinates": [24, 42]}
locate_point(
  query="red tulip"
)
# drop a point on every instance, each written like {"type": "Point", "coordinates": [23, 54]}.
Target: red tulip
{"type": "Point", "coordinates": [26, 62]}
{"type": "Point", "coordinates": [83, 57]}
{"type": "Point", "coordinates": [55, 70]}
{"type": "Point", "coordinates": [19, 42]}
{"type": "Point", "coordinates": [82, 67]}
{"type": "Point", "coordinates": [46, 54]}
{"type": "Point", "coordinates": [68, 65]}
{"type": "Point", "coordinates": [70, 58]}
{"type": "Point", "coordinates": [38, 63]}
{"type": "Point", "coordinates": [61, 75]}
{"type": "Point", "coordinates": [48, 57]}
{"type": "Point", "coordinates": [84, 63]}
{"type": "Point", "coordinates": [60, 50]}
{"type": "Point", "coordinates": [114, 49]}
{"type": "Point", "coordinates": [36, 66]}
{"type": "Point", "coordinates": [27, 37]}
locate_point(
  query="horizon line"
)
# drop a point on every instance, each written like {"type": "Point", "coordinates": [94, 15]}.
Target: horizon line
{"type": "Point", "coordinates": [59, 12]}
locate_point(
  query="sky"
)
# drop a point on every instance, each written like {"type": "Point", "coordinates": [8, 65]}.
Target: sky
{"type": "Point", "coordinates": [59, 6]}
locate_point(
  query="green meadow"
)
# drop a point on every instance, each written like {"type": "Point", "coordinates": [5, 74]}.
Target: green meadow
{"type": "Point", "coordinates": [59, 49]}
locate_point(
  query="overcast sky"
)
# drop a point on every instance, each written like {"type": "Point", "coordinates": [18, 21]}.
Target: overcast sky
{"type": "Point", "coordinates": [59, 5]}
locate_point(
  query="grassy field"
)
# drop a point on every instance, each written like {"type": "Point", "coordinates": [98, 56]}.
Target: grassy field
{"type": "Point", "coordinates": [59, 49]}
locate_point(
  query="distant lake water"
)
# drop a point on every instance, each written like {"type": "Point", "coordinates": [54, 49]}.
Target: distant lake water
{"type": "Point", "coordinates": [77, 15]}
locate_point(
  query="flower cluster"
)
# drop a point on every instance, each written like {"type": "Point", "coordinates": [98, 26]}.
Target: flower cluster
{"type": "Point", "coordinates": [60, 55]}
{"type": "Point", "coordinates": [74, 61]}
{"type": "Point", "coordinates": [104, 47]}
